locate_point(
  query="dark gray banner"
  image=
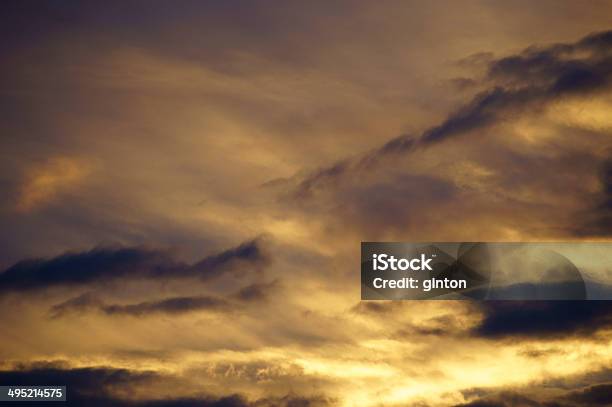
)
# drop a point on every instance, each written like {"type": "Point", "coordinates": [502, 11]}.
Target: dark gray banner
{"type": "Point", "coordinates": [486, 271]}
{"type": "Point", "coordinates": [33, 393]}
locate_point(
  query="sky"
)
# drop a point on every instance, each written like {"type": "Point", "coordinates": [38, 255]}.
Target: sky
{"type": "Point", "coordinates": [185, 186]}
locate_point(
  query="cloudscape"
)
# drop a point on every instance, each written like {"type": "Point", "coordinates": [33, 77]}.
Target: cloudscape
{"type": "Point", "coordinates": [186, 185]}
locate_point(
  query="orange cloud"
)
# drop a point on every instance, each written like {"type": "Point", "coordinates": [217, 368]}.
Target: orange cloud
{"type": "Point", "coordinates": [44, 183]}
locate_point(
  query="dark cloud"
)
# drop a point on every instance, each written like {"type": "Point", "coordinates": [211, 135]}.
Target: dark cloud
{"type": "Point", "coordinates": [87, 379]}
{"type": "Point", "coordinates": [597, 220]}
{"type": "Point", "coordinates": [251, 252]}
{"type": "Point", "coordinates": [576, 67]}
{"type": "Point", "coordinates": [100, 386]}
{"type": "Point", "coordinates": [480, 112]}
{"type": "Point", "coordinates": [597, 395]}
{"type": "Point", "coordinates": [105, 264]}
{"type": "Point", "coordinates": [519, 82]}
{"type": "Point", "coordinates": [504, 399]}
{"type": "Point", "coordinates": [82, 384]}
{"type": "Point", "coordinates": [543, 318]}
{"type": "Point", "coordinates": [593, 395]}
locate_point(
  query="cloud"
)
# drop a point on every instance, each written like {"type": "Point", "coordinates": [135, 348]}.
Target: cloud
{"type": "Point", "coordinates": [257, 291]}
{"type": "Point", "coordinates": [81, 303]}
{"type": "Point", "coordinates": [597, 220]}
{"type": "Point", "coordinates": [543, 319]}
{"type": "Point", "coordinates": [443, 326]}
{"type": "Point", "coordinates": [504, 399]}
{"type": "Point", "coordinates": [521, 82]}
{"type": "Point", "coordinates": [43, 183]}
{"type": "Point", "coordinates": [249, 294]}
{"type": "Point", "coordinates": [582, 66]}
{"type": "Point", "coordinates": [172, 306]}
{"type": "Point", "coordinates": [105, 264]}
{"type": "Point", "coordinates": [597, 395]}
{"type": "Point", "coordinates": [391, 204]}
{"type": "Point", "coordinates": [377, 307]}
{"type": "Point", "coordinates": [194, 110]}
{"type": "Point", "coordinates": [102, 386]}
{"type": "Point", "coordinates": [532, 396]}
{"type": "Point", "coordinates": [81, 383]}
